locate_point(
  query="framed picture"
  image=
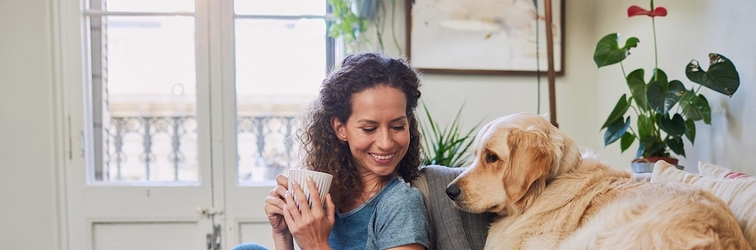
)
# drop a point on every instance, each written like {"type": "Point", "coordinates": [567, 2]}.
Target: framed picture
{"type": "Point", "coordinates": [483, 36]}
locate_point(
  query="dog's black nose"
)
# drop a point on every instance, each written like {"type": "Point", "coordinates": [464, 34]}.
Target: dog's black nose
{"type": "Point", "coordinates": [453, 191]}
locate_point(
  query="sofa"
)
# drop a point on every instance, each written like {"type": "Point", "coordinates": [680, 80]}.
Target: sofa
{"type": "Point", "coordinates": [452, 228]}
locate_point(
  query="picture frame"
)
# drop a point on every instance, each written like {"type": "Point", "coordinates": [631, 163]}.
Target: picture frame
{"type": "Point", "coordinates": [491, 37]}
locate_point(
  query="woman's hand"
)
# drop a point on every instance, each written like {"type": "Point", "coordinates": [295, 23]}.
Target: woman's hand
{"type": "Point", "coordinates": [274, 205]}
{"type": "Point", "coordinates": [309, 226]}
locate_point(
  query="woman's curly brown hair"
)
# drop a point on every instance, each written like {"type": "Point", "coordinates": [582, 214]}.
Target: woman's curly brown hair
{"type": "Point", "coordinates": [325, 152]}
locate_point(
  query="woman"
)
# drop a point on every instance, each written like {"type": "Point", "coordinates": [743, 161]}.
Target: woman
{"type": "Point", "coordinates": [362, 129]}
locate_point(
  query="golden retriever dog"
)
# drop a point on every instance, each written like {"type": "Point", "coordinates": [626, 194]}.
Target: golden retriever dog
{"type": "Point", "coordinates": [549, 196]}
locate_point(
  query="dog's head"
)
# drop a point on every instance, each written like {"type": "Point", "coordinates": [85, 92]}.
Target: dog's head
{"type": "Point", "coordinates": [515, 157]}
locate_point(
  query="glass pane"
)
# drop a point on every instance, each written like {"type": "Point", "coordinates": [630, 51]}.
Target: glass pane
{"type": "Point", "coordinates": [280, 7]}
{"type": "Point", "coordinates": [147, 5]}
{"type": "Point", "coordinates": [147, 102]}
{"type": "Point", "coordinates": [279, 67]}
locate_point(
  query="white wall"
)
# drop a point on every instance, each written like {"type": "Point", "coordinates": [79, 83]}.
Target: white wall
{"type": "Point", "coordinates": [585, 95]}
{"type": "Point", "coordinates": [489, 97]}
{"type": "Point", "coordinates": [28, 182]}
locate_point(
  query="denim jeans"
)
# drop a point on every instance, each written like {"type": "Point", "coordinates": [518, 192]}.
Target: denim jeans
{"type": "Point", "coordinates": [249, 246]}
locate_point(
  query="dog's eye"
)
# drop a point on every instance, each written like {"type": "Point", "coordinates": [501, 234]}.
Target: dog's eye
{"type": "Point", "coordinates": [490, 158]}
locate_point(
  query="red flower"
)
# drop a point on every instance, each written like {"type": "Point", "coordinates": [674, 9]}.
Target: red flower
{"type": "Point", "coordinates": [636, 10]}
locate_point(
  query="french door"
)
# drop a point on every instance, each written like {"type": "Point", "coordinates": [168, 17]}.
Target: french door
{"type": "Point", "coordinates": [179, 114]}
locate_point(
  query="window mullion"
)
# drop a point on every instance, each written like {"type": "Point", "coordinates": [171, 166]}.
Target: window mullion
{"type": "Point", "coordinates": [100, 114]}
{"type": "Point", "coordinates": [98, 12]}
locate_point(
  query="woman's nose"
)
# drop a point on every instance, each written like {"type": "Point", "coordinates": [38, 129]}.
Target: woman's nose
{"type": "Point", "coordinates": [384, 140]}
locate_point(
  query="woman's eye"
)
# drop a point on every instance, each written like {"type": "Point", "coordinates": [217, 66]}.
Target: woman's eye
{"type": "Point", "coordinates": [368, 130]}
{"type": "Point", "coordinates": [398, 128]}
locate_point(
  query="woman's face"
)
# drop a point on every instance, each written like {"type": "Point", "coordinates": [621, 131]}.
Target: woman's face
{"type": "Point", "coordinates": [378, 130]}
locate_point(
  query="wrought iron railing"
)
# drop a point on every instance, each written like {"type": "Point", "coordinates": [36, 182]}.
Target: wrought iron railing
{"type": "Point", "coordinates": [149, 148]}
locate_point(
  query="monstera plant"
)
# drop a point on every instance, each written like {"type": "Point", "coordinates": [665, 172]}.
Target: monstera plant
{"type": "Point", "coordinates": [664, 110]}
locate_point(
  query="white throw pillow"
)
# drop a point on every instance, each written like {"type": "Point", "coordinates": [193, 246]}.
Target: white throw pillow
{"type": "Point", "coordinates": [713, 170]}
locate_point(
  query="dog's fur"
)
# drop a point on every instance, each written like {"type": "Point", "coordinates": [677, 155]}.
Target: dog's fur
{"type": "Point", "coordinates": [549, 196]}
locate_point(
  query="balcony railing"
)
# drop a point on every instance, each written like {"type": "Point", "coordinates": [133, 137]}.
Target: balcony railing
{"type": "Point", "coordinates": [164, 149]}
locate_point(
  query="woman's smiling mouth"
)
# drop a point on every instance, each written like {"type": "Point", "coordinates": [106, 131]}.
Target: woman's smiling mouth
{"type": "Point", "coordinates": [383, 157]}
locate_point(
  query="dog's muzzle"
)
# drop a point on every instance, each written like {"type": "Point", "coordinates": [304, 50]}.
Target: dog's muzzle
{"type": "Point", "coordinates": [453, 191]}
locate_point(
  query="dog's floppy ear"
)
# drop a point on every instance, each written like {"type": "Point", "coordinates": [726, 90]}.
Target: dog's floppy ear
{"type": "Point", "coordinates": [530, 157]}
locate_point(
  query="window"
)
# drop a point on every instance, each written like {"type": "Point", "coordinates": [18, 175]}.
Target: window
{"type": "Point", "coordinates": [281, 52]}
{"type": "Point", "coordinates": [149, 66]}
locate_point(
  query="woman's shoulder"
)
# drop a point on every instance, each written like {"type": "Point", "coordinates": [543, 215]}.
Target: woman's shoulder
{"type": "Point", "coordinates": [401, 192]}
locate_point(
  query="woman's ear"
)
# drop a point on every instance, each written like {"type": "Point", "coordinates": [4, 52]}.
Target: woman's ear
{"type": "Point", "coordinates": [338, 128]}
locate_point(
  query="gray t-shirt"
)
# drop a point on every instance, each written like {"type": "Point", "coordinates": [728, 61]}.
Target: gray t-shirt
{"type": "Point", "coordinates": [394, 217]}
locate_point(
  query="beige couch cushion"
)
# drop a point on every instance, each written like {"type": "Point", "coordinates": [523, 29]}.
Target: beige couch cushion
{"type": "Point", "coordinates": [739, 194]}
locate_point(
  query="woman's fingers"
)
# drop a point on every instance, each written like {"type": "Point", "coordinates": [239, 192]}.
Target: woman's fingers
{"type": "Point", "coordinates": [278, 192]}
{"type": "Point", "coordinates": [300, 197]}
{"type": "Point", "coordinates": [330, 209]}
{"type": "Point", "coordinates": [302, 216]}
{"type": "Point", "coordinates": [289, 217]}
{"type": "Point", "coordinates": [317, 206]}
{"type": "Point", "coordinates": [274, 210]}
{"type": "Point", "coordinates": [275, 201]}
{"type": "Point", "coordinates": [309, 226]}
{"type": "Point", "coordinates": [291, 209]}
{"type": "Point", "coordinates": [283, 181]}
{"type": "Point", "coordinates": [274, 204]}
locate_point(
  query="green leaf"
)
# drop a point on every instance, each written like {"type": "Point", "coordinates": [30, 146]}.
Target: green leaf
{"type": "Point", "coordinates": [345, 23]}
{"type": "Point", "coordinates": [674, 93]}
{"type": "Point", "coordinates": [673, 127]}
{"type": "Point", "coordinates": [654, 147]}
{"type": "Point", "coordinates": [626, 141]}
{"type": "Point", "coordinates": [697, 108]}
{"type": "Point", "coordinates": [689, 110]}
{"type": "Point", "coordinates": [721, 77]}
{"type": "Point", "coordinates": [676, 145]}
{"type": "Point", "coordinates": [690, 130]}
{"type": "Point", "coordinates": [618, 112]}
{"type": "Point", "coordinates": [659, 75]}
{"type": "Point", "coordinates": [656, 95]}
{"type": "Point", "coordinates": [662, 96]}
{"type": "Point", "coordinates": [638, 88]}
{"type": "Point", "coordinates": [616, 130]}
{"type": "Point", "coordinates": [364, 24]}
{"type": "Point", "coordinates": [641, 149]}
{"type": "Point", "coordinates": [608, 51]}
{"type": "Point", "coordinates": [645, 126]}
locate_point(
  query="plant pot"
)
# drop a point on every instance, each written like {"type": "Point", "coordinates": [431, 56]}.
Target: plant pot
{"type": "Point", "coordinates": [646, 165]}
{"type": "Point", "coordinates": [365, 9]}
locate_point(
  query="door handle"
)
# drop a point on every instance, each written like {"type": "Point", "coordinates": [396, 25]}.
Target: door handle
{"type": "Point", "coordinates": [209, 213]}
{"type": "Point", "coordinates": [213, 239]}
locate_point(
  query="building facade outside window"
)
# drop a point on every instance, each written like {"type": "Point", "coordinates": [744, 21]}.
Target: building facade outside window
{"type": "Point", "coordinates": [144, 98]}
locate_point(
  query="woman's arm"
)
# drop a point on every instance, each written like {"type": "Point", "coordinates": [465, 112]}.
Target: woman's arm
{"type": "Point", "coordinates": [283, 242]}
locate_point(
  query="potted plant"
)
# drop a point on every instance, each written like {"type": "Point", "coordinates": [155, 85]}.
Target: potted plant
{"type": "Point", "coordinates": [448, 146]}
{"type": "Point", "coordinates": [665, 110]}
{"type": "Point", "coordinates": [352, 19]}
{"type": "Point", "coordinates": [347, 25]}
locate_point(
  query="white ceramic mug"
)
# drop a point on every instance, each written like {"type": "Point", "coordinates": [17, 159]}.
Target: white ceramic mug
{"type": "Point", "coordinates": [322, 181]}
